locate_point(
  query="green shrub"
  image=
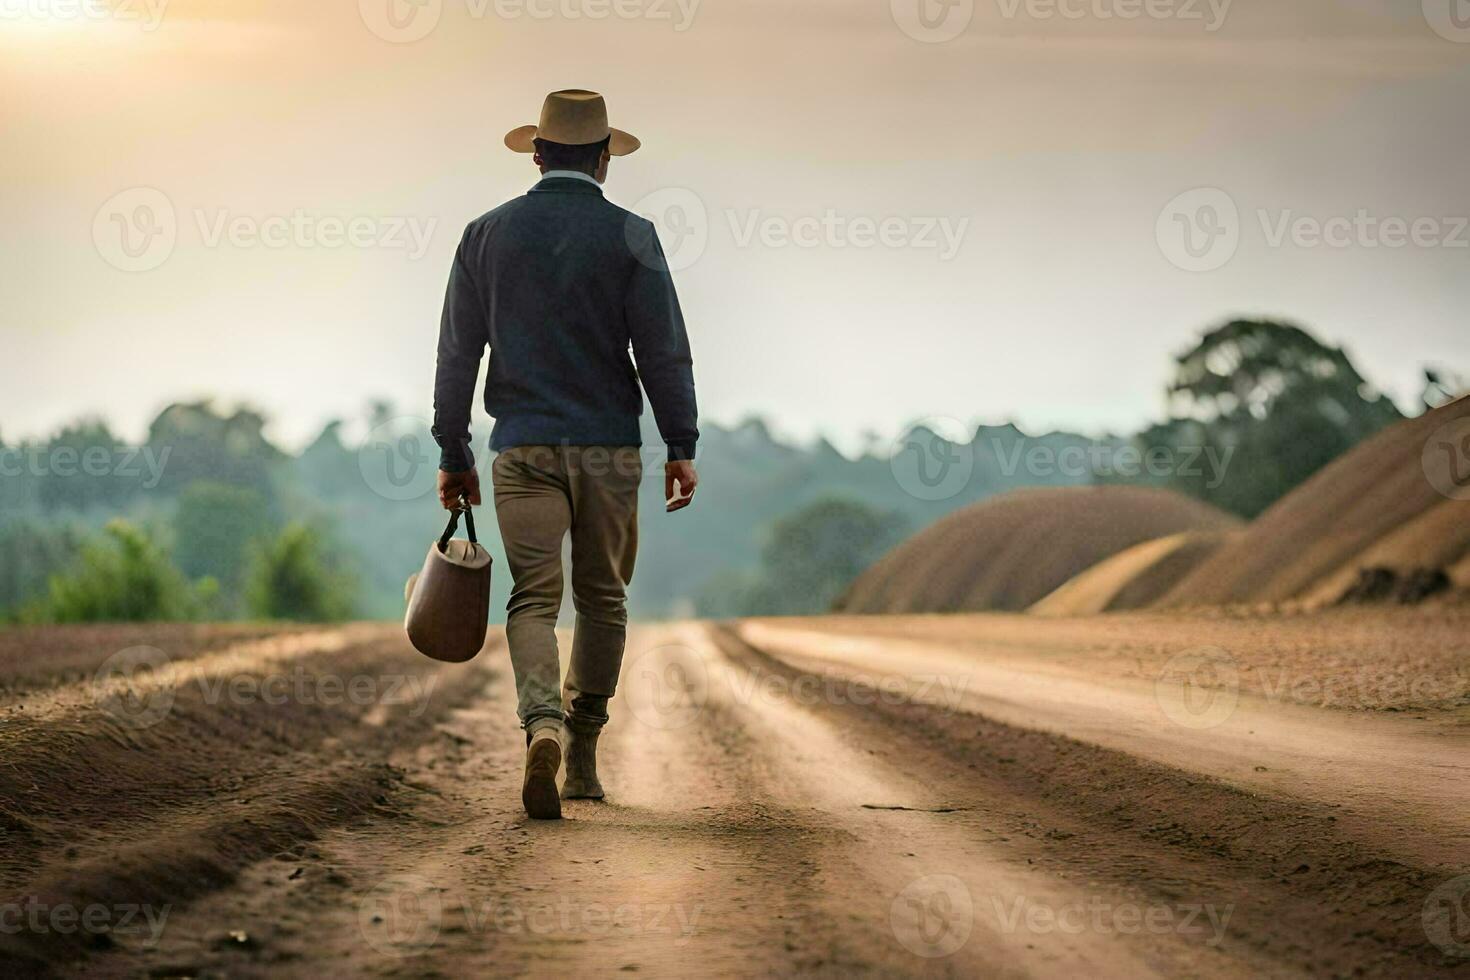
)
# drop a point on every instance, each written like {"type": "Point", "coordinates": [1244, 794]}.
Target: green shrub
{"type": "Point", "coordinates": [122, 577]}
{"type": "Point", "coordinates": [290, 579]}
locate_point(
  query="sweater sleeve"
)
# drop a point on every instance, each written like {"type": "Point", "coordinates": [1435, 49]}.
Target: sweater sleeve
{"type": "Point", "coordinates": [462, 341]}
{"type": "Point", "coordinates": [661, 343]}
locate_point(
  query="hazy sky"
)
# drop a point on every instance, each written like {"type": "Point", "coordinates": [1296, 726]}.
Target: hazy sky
{"type": "Point", "coordinates": [892, 227]}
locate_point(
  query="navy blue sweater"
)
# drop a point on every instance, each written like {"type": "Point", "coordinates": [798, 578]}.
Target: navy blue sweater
{"type": "Point", "coordinates": [559, 284]}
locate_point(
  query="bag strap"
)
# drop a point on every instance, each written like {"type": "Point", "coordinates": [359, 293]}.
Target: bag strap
{"type": "Point", "coordinates": [469, 524]}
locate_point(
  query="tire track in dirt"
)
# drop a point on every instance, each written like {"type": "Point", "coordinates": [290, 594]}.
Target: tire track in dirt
{"type": "Point", "coordinates": [1401, 781]}
{"type": "Point", "coordinates": [935, 865]}
{"type": "Point", "coordinates": [1308, 893]}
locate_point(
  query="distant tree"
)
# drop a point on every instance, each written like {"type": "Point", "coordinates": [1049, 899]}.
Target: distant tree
{"type": "Point", "coordinates": [83, 466]}
{"type": "Point", "coordinates": [31, 553]}
{"type": "Point", "coordinates": [1272, 400]}
{"type": "Point", "coordinates": [809, 558]}
{"type": "Point", "coordinates": [214, 528]}
{"type": "Point", "coordinates": [328, 468]}
{"type": "Point", "coordinates": [292, 579]}
{"type": "Point", "coordinates": [123, 577]}
{"type": "Point", "coordinates": [195, 442]}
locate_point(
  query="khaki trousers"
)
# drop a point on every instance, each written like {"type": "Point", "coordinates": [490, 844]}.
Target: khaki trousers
{"type": "Point", "coordinates": [543, 493]}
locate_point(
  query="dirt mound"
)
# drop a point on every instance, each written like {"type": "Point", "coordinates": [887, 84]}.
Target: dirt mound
{"type": "Point", "coordinates": [1010, 551]}
{"type": "Point", "coordinates": [1134, 578]}
{"type": "Point", "coordinates": [131, 786]}
{"type": "Point", "coordinates": [1373, 508]}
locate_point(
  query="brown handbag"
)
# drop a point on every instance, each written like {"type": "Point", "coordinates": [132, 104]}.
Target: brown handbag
{"type": "Point", "coordinates": [449, 599]}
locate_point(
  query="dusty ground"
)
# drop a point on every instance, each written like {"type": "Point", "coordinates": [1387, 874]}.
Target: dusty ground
{"type": "Point", "coordinates": [989, 795]}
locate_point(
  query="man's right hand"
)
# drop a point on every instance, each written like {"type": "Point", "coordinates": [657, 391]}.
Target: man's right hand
{"type": "Point", "coordinates": [679, 483]}
{"type": "Point", "coordinates": [453, 486]}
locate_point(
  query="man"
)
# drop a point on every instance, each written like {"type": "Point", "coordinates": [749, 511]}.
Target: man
{"type": "Point", "coordinates": [558, 284]}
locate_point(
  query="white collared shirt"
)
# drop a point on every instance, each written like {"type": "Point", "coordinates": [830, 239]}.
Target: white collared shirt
{"type": "Point", "coordinates": [575, 174]}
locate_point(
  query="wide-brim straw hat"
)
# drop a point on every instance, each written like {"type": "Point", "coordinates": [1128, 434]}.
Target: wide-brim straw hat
{"type": "Point", "coordinates": [576, 117]}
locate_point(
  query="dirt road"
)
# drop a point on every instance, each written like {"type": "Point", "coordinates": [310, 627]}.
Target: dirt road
{"type": "Point", "coordinates": [993, 796]}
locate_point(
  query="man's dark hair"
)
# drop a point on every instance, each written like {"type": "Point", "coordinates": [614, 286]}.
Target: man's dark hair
{"type": "Point", "coordinates": [569, 156]}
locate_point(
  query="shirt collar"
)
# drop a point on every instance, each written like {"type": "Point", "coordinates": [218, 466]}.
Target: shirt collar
{"type": "Point", "coordinates": [573, 174]}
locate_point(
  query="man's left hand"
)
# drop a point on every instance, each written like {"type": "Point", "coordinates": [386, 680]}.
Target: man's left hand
{"type": "Point", "coordinates": [454, 486]}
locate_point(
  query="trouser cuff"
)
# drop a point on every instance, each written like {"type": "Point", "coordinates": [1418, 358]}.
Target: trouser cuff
{"type": "Point", "coordinates": [586, 713]}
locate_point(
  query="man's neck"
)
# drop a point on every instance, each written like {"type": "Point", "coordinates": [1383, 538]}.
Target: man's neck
{"type": "Point", "coordinates": [574, 174]}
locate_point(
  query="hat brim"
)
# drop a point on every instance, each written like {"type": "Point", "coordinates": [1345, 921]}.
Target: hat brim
{"type": "Point", "coordinates": [522, 139]}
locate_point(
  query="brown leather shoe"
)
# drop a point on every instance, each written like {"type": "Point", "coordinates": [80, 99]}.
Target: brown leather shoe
{"type": "Point", "coordinates": [538, 791]}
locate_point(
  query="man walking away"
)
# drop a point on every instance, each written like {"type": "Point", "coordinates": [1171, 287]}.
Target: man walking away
{"type": "Point", "coordinates": [559, 284]}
